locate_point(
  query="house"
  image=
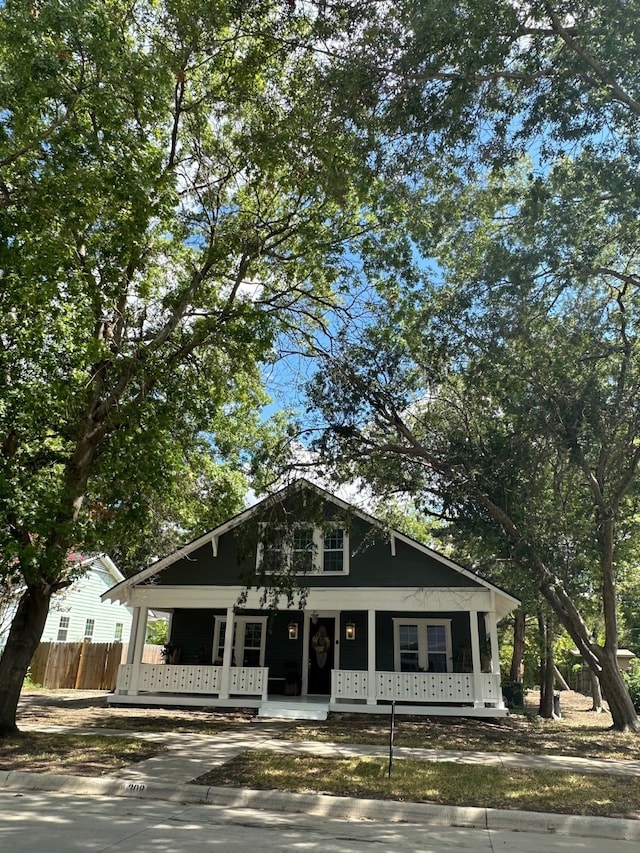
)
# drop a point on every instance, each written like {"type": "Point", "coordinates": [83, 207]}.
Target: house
{"type": "Point", "coordinates": [385, 620]}
{"type": "Point", "coordinates": [78, 613]}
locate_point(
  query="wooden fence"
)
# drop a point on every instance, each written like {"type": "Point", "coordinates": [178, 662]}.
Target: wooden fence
{"type": "Point", "coordinates": [82, 666]}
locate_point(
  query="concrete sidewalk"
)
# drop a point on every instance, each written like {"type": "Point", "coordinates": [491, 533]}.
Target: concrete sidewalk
{"type": "Point", "coordinates": [167, 777]}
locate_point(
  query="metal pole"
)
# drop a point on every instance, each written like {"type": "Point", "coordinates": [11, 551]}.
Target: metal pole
{"type": "Point", "coordinates": [392, 729]}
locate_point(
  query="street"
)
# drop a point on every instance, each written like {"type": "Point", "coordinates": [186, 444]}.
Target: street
{"type": "Point", "coordinates": [63, 823]}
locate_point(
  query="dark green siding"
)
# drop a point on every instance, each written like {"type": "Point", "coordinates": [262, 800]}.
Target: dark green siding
{"type": "Point", "coordinates": [192, 632]}
{"type": "Point", "coordinates": [353, 653]}
{"type": "Point", "coordinates": [371, 563]}
{"type": "Point", "coordinates": [284, 656]}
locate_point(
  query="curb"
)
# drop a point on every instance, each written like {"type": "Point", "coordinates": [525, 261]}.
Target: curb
{"type": "Point", "coordinates": [324, 805]}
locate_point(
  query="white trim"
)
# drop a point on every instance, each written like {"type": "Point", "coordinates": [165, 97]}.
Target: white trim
{"type": "Point", "coordinates": [423, 644]}
{"type": "Point", "coordinates": [434, 599]}
{"type": "Point", "coordinates": [475, 653]}
{"type": "Point", "coordinates": [238, 621]}
{"type": "Point", "coordinates": [317, 554]}
{"type": "Point", "coordinates": [371, 657]}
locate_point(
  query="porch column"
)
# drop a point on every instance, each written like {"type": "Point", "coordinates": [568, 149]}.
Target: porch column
{"type": "Point", "coordinates": [227, 655]}
{"type": "Point", "coordinates": [136, 646]}
{"type": "Point", "coordinates": [491, 629]}
{"type": "Point", "coordinates": [133, 634]}
{"type": "Point", "coordinates": [475, 658]}
{"type": "Point", "coordinates": [371, 658]}
{"type": "Point", "coordinates": [306, 640]}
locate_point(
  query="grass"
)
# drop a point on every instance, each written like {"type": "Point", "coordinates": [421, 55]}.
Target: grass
{"type": "Point", "coordinates": [446, 783]}
{"type": "Point", "coordinates": [579, 733]}
{"type": "Point", "coordinates": [82, 755]}
{"type": "Point", "coordinates": [516, 733]}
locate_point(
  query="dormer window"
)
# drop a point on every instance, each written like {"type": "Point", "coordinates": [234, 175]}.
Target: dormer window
{"type": "Point", "coordinates": [305, 550]}
{"type": "Point", "coordinates": [333, 551]}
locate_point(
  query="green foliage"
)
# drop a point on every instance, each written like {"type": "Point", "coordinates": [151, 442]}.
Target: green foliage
{"type": "Point", "coordinates": [176, 195]}
{"type": "Point", "coordinates": [157, 632]}
{"type": "Point", "coordinates": [496, 382]}
{"type": "Point", "coordinates": [632, 680]}
{"type": "Point", "coordinates": [162, 177]}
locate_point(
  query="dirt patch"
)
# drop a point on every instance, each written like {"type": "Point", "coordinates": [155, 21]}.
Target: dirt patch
{"type": "Point", "coordinates": [89, 709]}
{"type": "Point", "coordinates": [579, 731]}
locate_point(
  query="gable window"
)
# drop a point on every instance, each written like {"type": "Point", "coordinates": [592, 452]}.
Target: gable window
{"type": "Point", "coordinates": [89, 629]}
{"type": "Point", "coordinates": [302, 547]}
{"type": "Point", "coordinates": [333, 551]}
{"type": "Point", "coordinates": [63, 629]}
{"type": "Point", "coordinates": [422, 645]}
{"type": "Point", "coordinates": [249, 640]}
{"type": "Point", "coordinates": [305, 550]}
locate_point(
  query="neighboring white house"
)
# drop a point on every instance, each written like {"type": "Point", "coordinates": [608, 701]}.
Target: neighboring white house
{"type": "Point", "coordinates": [78, 613]}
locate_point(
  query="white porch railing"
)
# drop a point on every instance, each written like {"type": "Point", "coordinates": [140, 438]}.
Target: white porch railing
{"type": "Point", "coordinates": [457, 688]}
{"type": "Point", "coordinates": [422, 687]}
{"type": "Point", "coordinates": [170, 678]}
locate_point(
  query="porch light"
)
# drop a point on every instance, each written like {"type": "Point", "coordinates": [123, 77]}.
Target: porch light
{"type": "Point", "coordinates": [292, 629]}
{"type": "Point", "coordinates": [349, 631]}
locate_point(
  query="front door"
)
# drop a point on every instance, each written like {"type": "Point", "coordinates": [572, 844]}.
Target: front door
{"type": "Point", "coordinates": [321, 656]}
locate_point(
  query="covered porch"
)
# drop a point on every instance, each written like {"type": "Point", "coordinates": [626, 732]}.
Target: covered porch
{"type": "Point", "coordinates": [424, 656]}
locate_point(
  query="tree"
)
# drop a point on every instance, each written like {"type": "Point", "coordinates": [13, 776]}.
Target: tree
{"type": "Point", "coordinates": [491, 77]}
{"type": "Point", "coordinates": [511, 400]}
{"type": "Point", "coordinates": [168, 206]}
{"type": "Point", "coordinates": [502, 364]}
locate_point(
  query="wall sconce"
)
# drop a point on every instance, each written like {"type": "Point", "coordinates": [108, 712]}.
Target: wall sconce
{"type": "Point", "coordinates": [314, 618]}
{"type": "Point", "coordinates": [349, 631]}
{"type": "Point", "coordinates": [292, 630]}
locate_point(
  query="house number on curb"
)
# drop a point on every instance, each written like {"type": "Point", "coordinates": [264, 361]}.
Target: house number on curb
{"type": "Point", "coordinates": [135, 786]}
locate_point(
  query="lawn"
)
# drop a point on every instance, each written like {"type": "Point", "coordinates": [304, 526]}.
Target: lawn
{"type": "Point", "coordinates": [81, 755]}
{"type": "Point", "coordinates": [445, 783]}
{"type": "Point", "coordinates": [580, 732]}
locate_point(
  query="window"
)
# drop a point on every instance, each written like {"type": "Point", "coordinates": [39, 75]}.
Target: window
{"type": "Point", "coordinates": [333, 551]}
{"type": "Point", "coordinates": [63, 629]}
{"type": "Point", "coordinates": [249, 640]}
{"type": "Point", "coordinates": [272, 555]}
{"type": "Point", "coordinates": [409, 648]}
{"type": "Point", "coordinates": [422, 645]}
{"type": "Point", "coordinates": [437, 648]}
{"type": "Point", "coordinates": [302, 549]}
{"type": "Point", "coordinates": [118, 632]}
{"type": "Point", "coordinates": [89, 628]}
{"type": "Point", "coordinates": [305, 550]}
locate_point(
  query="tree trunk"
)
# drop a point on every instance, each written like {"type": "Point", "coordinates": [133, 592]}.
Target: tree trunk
{"type": "Point", "coordinates": [616, 694]}
{"type": "Point", "coordinates": [25, 633]}
{"type": "Point", "coordinates": [602, 661]}
{"type": "Point", "coordinates": [596, 693]}
{"type": "Point", "coordinates": [547, 674]}
{"type": "Point", "coordinates": [560, 679]}
{"type": "Point", "coordinates": [517, 667]}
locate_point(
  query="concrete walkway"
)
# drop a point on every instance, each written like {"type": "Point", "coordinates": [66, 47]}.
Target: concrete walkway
{"type": "Point", "coordinates": [189, 756]}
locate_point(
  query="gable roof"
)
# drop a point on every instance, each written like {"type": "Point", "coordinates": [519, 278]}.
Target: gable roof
{"type": "Point", "coordinates": [99, 561]}
{"type": "Point", "coordinates": [211, 536]}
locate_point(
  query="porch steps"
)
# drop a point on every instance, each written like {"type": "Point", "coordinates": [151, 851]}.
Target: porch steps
{"type": "Point", "coordinates": [292, 710]}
